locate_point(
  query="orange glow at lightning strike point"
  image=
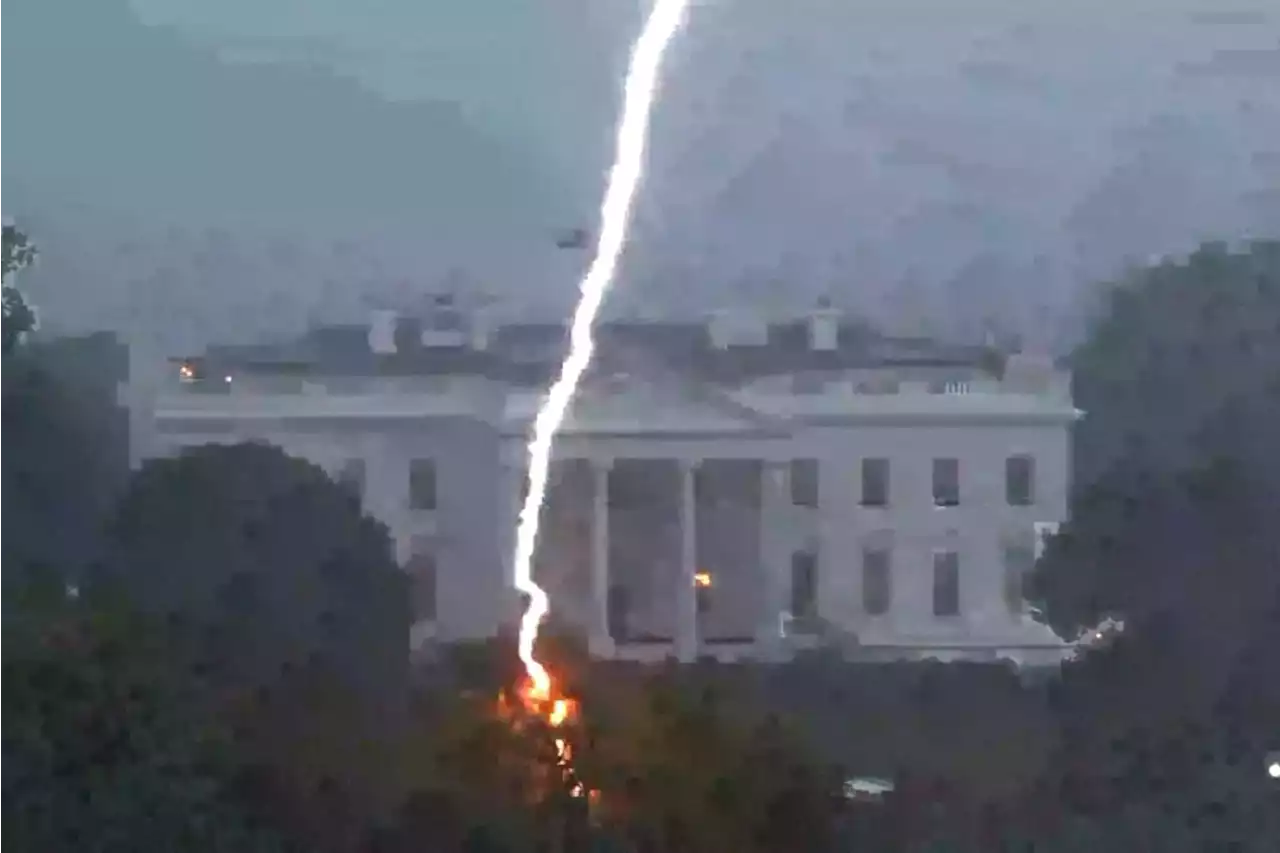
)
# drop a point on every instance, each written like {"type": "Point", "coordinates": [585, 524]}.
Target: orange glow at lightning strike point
{"type": "Point", "coordinates": [639, 91]}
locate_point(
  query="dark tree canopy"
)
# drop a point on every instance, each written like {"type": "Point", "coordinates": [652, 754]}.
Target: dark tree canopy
{"type": "Point", "coordinates": [19, 317]}
{"type": "Point", "coordinates": [1183, 364]}
{"type": "Point", "coordinates": [66, 452]}
{"type": "Point", "coordinates": [1173, 529]}
{"type": "Point", "coordinates": [267, 563]}
{"type": "Point", "coordinates": [1176, 462]}
{"type": "Point", "coordinates": [106, 742]}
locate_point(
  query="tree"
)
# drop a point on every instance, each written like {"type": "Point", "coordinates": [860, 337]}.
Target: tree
{"type": "Point", "coordinates": [288, 602]}
{"type": "Point", "coordinates": [66, 452]}
{"type": "Point", "coordinates": [1180, 382]}
{"type": "Point", "coordinates": [1183, 364]}
{"type": "Point", "coordinates": [106, 743]}
{"type": "Point", "coordinates": [19, 317]}
{"type": "Point", "coordinates": [684, 765]}
{"type": "Point", "coordinates": [1172, 529]}
{"type": "Point", "coordinates": [674, 759]}
{"type": "Point", "coordinates": [267, 560]}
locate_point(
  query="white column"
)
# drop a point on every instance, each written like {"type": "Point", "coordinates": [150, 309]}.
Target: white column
{"type": "Point", "coordinates": [774, 556]}
{"type": "Point", "coordinates": [686, 594]}
{"type": "Point", "coordinates": [600, 639]}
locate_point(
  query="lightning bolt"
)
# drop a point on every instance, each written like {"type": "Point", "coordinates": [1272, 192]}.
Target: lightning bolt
{"type": "Point", "coordinates": [639, 92]}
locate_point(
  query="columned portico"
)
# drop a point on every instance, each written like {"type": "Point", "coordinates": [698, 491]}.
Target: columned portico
{"type": "Point", "coordinates": [773, 556]}
{"type": "Point", "coordinates": [686, 639]}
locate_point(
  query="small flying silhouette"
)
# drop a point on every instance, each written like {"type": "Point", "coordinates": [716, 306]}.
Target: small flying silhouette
{"type": "Point", "coordinates": [577, 238]}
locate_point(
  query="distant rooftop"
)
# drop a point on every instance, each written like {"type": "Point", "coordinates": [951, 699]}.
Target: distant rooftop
{"type": "Point", "coordinates": [530, 353]}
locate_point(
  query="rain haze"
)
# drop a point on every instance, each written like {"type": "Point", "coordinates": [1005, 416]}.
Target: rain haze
{"type": "Point", "coordinates": [257, 164]}
{"type": "Point", "coordinates": [651, 426]}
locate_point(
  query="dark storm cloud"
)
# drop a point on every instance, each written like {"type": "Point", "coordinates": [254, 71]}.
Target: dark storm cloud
{"type": "Point", "coordinates": [839, 146]}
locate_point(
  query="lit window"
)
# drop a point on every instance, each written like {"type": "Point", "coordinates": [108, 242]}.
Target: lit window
{"type": "Point", "coordinates": [702, 583]}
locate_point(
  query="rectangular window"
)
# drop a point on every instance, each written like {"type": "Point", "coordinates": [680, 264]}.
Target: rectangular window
{"type": "Point", "coordinates": [422, 573]}
{"type": "Point", "coordinates": [422, 484]}
{"type": "Point", "coordinates": [877, 580]}
{"type": "Point", "coordinates": [946, 482]}
{"type": "Point", "coordinates": [946, 583]}
{"type": "Point", "coordinates": [351, 476]}
{"type": "Point", "coordinates": [702, 594]}
{"type": "Point", "coordinates": [804, 482]}
{"type": "Point", "coordinates": [618, 612]}
{"type": "Point", "coordinates": [1019, 560]}
{"type": "Point", "coordinates": [875, 482]}
{"type": "Point", "coordinates": [804, 584]}
{"type": "Point", "coordinates": [704, 491]}
{"type": "Point", "coordinates": [1020, 480]}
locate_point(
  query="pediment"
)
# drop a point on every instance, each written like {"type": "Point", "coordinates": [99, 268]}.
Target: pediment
{"type": "Point", "coordinates": [656, 404]}
{"type": "Point", "coordinates": [631, 393]}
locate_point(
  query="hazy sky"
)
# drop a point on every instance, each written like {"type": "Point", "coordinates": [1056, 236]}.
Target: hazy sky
{"type": "Point", "coordinates": [918, 159]}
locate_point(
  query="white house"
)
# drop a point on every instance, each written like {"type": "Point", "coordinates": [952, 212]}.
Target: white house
{"type": "Point", "coordinates": [733, 487]}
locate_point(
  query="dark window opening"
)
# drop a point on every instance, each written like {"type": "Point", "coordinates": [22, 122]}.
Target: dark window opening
{"type": "Point", "coordinates": [804, 482]}
{"type": "Point", "coordinates": [1019, 480]}
{"type": "Point", "coordinates": [946, 583]}
{"type": "Point", "coordinates": [422, 484]}
{"type": "Point", "coordinates": [946, 482]}
{"type": "Point", "coordinates": [1019, 560]}
{"type": "Point", "coordinates": [875, 482]}
{"type": "Point", "coordinates": [618, 609]}
{"type": "Point", "coordinates": [877, 581]}
{"type": "Point", "coordinates": [804, 585]}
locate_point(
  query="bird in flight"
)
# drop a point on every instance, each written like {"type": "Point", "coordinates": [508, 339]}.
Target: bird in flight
{"type": "Point", "coordinates": [576, 238]}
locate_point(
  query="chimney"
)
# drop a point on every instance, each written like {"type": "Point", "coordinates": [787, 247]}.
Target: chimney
{"type": "Point", "coordinates": [382, 331]}
{"type": "Point", "coordinates": [824, 327]}
{"type": "Point", "coordinates": [482, 326]}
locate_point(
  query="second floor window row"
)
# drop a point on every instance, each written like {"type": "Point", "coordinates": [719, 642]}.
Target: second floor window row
{"type": "Point", "coordinates": [875, 482]}
{"type": "Point", "coordinates": [1019, 481]}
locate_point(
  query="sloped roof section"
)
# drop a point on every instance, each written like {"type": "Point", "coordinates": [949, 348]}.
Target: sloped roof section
{"type": "Point", "coordinates": [531, 353]}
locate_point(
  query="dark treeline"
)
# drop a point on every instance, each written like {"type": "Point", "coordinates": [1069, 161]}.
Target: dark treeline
{"type": "Point", "coordinates": [209, 653]}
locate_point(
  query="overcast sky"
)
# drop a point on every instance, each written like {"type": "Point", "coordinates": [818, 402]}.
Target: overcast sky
{"type": "Point", "coordinates": [239, 168]}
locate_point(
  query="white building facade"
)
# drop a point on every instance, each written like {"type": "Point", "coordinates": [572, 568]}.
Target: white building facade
{"type": "Point", "coordinates": [733, 488]}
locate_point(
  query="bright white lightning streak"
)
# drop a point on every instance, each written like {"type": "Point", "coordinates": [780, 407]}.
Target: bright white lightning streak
{"type": "Point", "coordinates": [639, 92]}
